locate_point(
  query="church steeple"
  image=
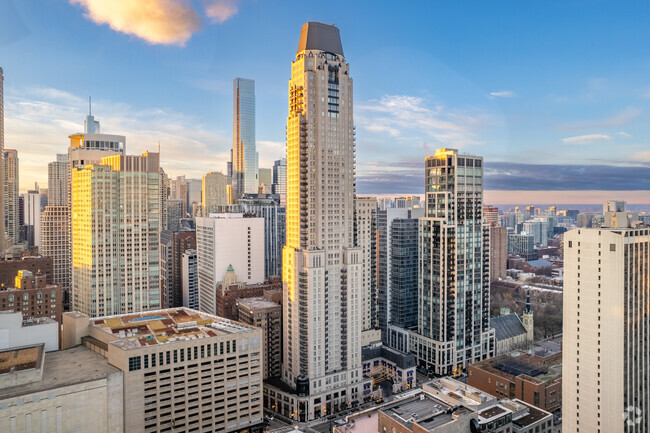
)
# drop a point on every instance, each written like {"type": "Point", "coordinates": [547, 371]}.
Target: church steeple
{"type": "Point", "coordinates": [527, 320]}
{"type": "Point", "coordinates": [528, 310]}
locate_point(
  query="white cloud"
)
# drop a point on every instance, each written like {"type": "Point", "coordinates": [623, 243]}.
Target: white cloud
{"type": "Point", "coordinates": [503, 94]}
{"type": "Point", "coordinates": [624, 134]}
{"type": "Point", "coordinates": [585, 139]}
{"type": "Point", "coordinates": [401, 115]}
{"type": "Point", "coordinates": [38, 125]}
{"type": "Point", "coordinates": [220, 10]}
{"type": "Point", "coordinates": [166, 22]}
{"type": "Point", "coordinates": [641, 156]}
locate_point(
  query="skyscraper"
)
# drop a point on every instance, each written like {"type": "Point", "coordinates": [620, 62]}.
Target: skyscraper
{"type": "Point", "coordinates": [322, 268]}
{"type": "Point", "coordinates": [32, 216]}
{"type": "Point", "coordinates": [454, 293]}
{"type": "Point", "coordinates": [12, 219]}
{"type": "Point", "coordinates": [115, 236]}
{"type": "Point", "coordinates": [57, 181]}
{"type": "Point", "coordinates": [365, 228]}
{"type": "Point", "coordinates": [279, 186]}
{"type": "Point", "coordinates": [2, 161]}
{"type": "Point", "coordinates": [215, 192]}
{"type": "Point", "coordinates": [56, 242]}
{"type": "Point", "coordinates": [605, 368]}
{"type": "Point", "coordinates": [244, 154]}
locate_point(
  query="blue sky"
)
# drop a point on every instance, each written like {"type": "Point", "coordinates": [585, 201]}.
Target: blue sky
{"type": "Point", "coordinates": [531, 86]}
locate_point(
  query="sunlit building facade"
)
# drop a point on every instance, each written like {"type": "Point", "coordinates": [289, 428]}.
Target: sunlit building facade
{"type": "Point", "coordinates": [322, 267]}
{"type": "Point", "coordinates": [12, 209]}
{"type": "Point", "coordinates": [215, 192]}
{"type": "Point", "coordinates": [116, 226]}
{"type": "Point", "coordinates": [454, 270]}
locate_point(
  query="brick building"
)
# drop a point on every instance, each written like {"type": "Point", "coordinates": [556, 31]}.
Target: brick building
{"type": "Point", "coordinates": [534, 379]}
{"type": "Point", "coordinates": [35, 264]}
{"type": "Point", "coordinates": [33, 297]}
{"type": "Point", "coordinates": [262, 313]}
{"type": "Point", "coordinates": [229, 290]}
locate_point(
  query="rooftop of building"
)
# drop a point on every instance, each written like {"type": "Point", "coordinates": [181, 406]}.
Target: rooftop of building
{"type": "Point", "coordinates": [320, 36]}
{"type": "Point", "coordinates": [165, 326]}
{"type": "Point", "coordinates": [540, 263]}
{"type": "Point", "coordinates": [522, 364]}
{"type": "Point", "coordinates": [402, 360]}
{"type": "Point", "coordinates": [257, 303]}
{"type": "Point", "coordinates": [492, 413]}
{"type": "Point", "coordinates": [424, 410]}
{"type": "Point", "coordinates": [20, 358]}
{"type": "Point", "coordinates": [531, 416]}
{"type": "Point", "coordinates": [458, 393]}
{"type": "Point", "coordinates": [507, 326]}
{"type": "Point", "coordinates": [64, 368]}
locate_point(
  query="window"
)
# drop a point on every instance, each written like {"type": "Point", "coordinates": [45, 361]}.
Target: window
{"type": "Point", "coordinates": [134, 363]}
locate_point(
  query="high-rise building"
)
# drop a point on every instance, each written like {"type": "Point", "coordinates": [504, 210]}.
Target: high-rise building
{"type": "Point", "coordinates": [194, 193]}
{"type": "Point", "coordinates": [275, 230]}
{"type": "Point", "coordinates": [279, 185]}
{"type": "Point", "coordinates": [365, 237]}
{"type": "Point", "coordinates": [190, 280]}
{"type": "Point", "coordinates": [215, 192]}
{"type": "Point", "coordinates": [491, 214]}
{"type": "Point", "coordinates": [174, 211]}
{"type": "Point", "coordinates": [172, 247]}
{"type": "Point", "coordinates": [56, 243]}
{"type": "Point", "coordinates": [115, 236]}
{"type": "Point", "coordinates": [245, 178]}
{"type": "Point", "coordinates": [90, 147]}
{"type": "Point", "coordinates": [228, 239]}
{"type": "Point", "coordinates": [454, 266]}
{"type": "Point", "coordinates": [322, 268]}
{"type": "Point", "coordinates": [537, 227]}
{"type": "Point", "coordinates": [57, 181]}
{"type": "Point", "coordinates": [404, 273]}
{"type": "Point", "coordinates": [179, 191]}
{"type": "Point", "coordinates": [605, 368]}
{"type": "Point", "coordinates": [385, 219]}
{"type": "Point", "coordinates": [262, 313]}
{"type": "Point", "coordinates": [32, 216]}
{"type": "Point", "coordinates": [265, 180]}
{"type": "Point", "coordinates": [2, 162]}
{"type": "Point", "coordinates": [498, 252]}
{"type": "Point", "coordinates": [12, 209]}
{"type": "Point", "coordinates": [522, 244]}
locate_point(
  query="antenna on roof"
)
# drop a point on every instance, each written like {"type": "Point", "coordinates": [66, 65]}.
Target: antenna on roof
{"type": "Point", "coordinates": [90, 106]}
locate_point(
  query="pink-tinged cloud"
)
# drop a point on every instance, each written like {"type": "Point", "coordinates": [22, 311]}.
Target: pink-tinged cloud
{"type": "Point", "coordinates": [564, 197]}
{"type": "Point", "coordinates": [220, 10]}
{"type": "Point", "coordinates": [164, 22]}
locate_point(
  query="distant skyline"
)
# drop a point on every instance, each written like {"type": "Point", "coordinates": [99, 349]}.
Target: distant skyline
{"type": "Point", "coordinates": [552, 94]}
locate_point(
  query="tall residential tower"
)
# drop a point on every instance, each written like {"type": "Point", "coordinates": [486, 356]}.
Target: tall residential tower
{"type": "Point", "coordinates": [322, 268]}
{"type": "Point", "coordinates": [606, 326]}
{"type": "Point", "coordinates": [244, 154]}
{"type": "Point", "coordinates": [454, 266]}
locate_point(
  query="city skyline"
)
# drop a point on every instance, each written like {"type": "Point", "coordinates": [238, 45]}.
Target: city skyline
{"type": "Point", "coordinates": [482, 103]}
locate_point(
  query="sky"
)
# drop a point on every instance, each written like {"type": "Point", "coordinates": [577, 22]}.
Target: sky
{"type": "Point", "coordinates": [555, 95]}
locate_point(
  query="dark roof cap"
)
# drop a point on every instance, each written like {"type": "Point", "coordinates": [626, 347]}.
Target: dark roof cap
{"type": "Point", "coordinates": [319, 36]}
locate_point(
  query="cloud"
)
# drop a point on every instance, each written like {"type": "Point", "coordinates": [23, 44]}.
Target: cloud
{"type": "Point", "coordinates": [220, 10]}
{"type": "Point", "coordinates": [585, 139]}
{"type": "Point", "coordinates": [642, 156]}
{"type": "Point", "coordinates": [409, 118]}
{"type": "Point", "coordinates": [164, 22]}
{"type": "Point", "coordinates": [39, 122]}
{"type": "Point", "coordinates": [503, 94]}
{"type": "Point", "coordinates": [624, 134]}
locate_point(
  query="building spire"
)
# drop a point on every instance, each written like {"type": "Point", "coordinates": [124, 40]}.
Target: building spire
{"type": "Point", "coordinates": [528, 310]}
{"type": "Point", "coordinates": [90, 106]}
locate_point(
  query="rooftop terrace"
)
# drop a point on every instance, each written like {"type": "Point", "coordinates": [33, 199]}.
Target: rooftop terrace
{"type": "Point", "coordinates": [165, 326]}
{"type": "Point", "coordinates": [20, 358]}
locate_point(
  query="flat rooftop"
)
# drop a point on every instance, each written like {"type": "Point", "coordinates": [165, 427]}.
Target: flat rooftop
{"type": "Point", "coordinates": [428, 412]}
{"type": "Point", "coordinates": [165, 326]}
{"type": "Point", "coordinates": [257, 303]}
{"type": "Point", "coordinates": [534, 414]}
{"type": "Point", "coordinates": [64, 368]}
{"type": "Point", "coordinates": [20, 358]}
{"type": "Point", "coordinates": [492, 413]}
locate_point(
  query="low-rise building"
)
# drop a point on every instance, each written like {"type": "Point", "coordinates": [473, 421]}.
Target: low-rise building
{"type": "Point", "coordinates": [15, 332]}
{"type": "Point", "coordinates": [534, 379]}
{"type": "Point", "coordinates": [35, 264]}
{"type": "Point", "coordinates": [183, 370]}
{"type": "Point", "coordinates": [33, 297]}
{"type": "Point", "coordinates": [383, 363]}
{"type": "Point", "coordinates": [74, 390]}
{"type": "Point", "coordinates": [231, 289]}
